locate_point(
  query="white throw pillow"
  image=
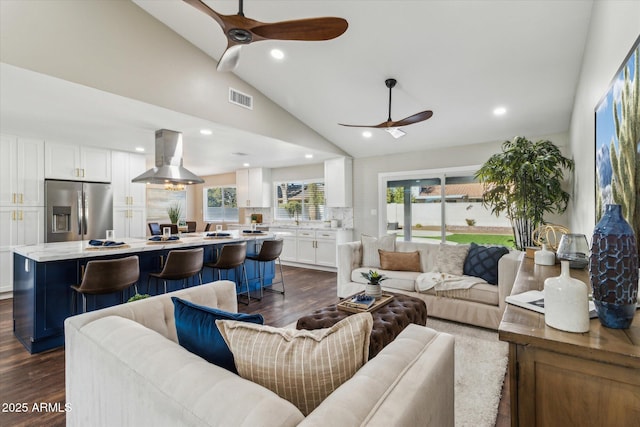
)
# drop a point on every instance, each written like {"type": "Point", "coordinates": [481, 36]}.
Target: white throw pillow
{"type": "Point", "coordinates": [370, 246]}
{"type": "Point", "coordinates": [450, 259]}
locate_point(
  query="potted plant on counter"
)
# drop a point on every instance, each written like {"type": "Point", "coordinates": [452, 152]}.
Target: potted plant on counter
{"type": "Point", "coordinates": [373, 288]}
{"type": "Point", "coordinates": [174, 211]}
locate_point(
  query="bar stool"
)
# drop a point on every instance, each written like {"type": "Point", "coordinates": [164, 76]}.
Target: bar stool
{"type": "Point", "coordinates": [232, 256]}
{"type": "Point", "coordinates": [107, 277]}
{"type": "Point", "coordinates": [270, 251]}
{"type": "Point", "coordinates": [191, 226]}
{"type": "Point", "coordinates": [154, 229]}
{"type": "Point", "coordinates": [180, 265]}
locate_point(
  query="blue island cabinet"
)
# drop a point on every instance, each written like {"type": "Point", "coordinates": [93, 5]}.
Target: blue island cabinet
{"type": "Point", "coordinates": [42, 296]}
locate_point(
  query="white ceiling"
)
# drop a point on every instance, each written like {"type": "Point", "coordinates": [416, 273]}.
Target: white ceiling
{"type": "Point", "coordinates": [459, 58]}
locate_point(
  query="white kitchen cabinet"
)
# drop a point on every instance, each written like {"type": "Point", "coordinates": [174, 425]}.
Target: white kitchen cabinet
{"type": "Point", "coordinates": [18, 226]}
{"type": "Point", "coordinates": [127, 166]}
{"type": "Point", "coordinates": [79, 163]}
{"type": "Point", "coordinates": [288, 237]}
{"type": "Point", "coordinates": [306, 245]}
{"type": "Point", "coordinates": [253, 188]}
{"type": "Point", "coordinates": [21, 171]}
{"type": "Point", "coordinates": [338, 182]}
{"type": "Point", "coordinates": [129, 199]}
{"type": "Point", "coordinates": [129, 222]}
{"type": "Point", "coordinates": [311, 248]}
{"type": "Point", "coordinates": [326, 248]}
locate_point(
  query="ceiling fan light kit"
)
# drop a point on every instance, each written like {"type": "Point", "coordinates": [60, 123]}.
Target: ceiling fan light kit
{"type": "Point", "coordinates": [391, 126]}
{"type": "Point", "coordinates": [241, 31]}
{"type": "Point", "coordinates": [396, 132]}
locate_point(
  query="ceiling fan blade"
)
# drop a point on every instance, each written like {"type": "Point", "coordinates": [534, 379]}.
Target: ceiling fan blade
{"type": "Point", "coordinates": [310, 29]}
{"type": "Point", "coordinates": [416, 118]}
{"type": "Point", "coordinates": [198, 4]}
{"type": "Point", "coordinates": [230, 58]}
{"type": "Point", "coordinates": [381, 125]}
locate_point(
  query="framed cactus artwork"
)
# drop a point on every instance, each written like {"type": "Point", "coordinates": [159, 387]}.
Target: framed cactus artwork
{"type": "Point", "coordinates": [617, 142]}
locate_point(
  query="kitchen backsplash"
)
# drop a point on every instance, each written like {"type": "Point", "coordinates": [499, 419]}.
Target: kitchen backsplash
{"type": "Point", "coordinates": [343, 215]}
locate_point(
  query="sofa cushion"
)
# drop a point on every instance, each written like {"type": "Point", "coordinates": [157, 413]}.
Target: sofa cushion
{"type": "Point", "coordinates": [450, 259]}
{"type": "Point", "coordinates": [399, 261]}
{"type": "Point", "coordinates": [301, 366]}
{"type": "Point", "coordinates": [198, 333]}
{"type": "Point", "coordinates": [483, 293]}
{"type": "Point", "coordinates": [370, 246]}
{"type": "Point", "coordinates": [482, 261]}
{"type": "Point", "coordinates": [403, 280]}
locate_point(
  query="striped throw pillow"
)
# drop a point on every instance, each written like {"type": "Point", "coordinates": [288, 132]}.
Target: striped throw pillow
{"type": "Point", "coordinates": [301, 366]}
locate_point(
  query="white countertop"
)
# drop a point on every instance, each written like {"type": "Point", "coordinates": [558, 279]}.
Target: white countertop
{"type": "Point", "coordinates": [81, 249]}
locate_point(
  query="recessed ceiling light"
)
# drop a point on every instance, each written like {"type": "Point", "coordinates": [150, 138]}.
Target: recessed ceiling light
{"type": "Point", "coordinates": [308, 156]}
{"type": "Point", "coordinates": [140, 149]}
{"type": "Point", "coordinates": [499, 111]}
{"type": "Point", "coordinates": [246, 165]}
{"type": "Point", "coordinates": [205, 131]}
{"type": "Point", "coordinates": [277, 54]}
{"type": "Point", "coordinates": [367, 134]}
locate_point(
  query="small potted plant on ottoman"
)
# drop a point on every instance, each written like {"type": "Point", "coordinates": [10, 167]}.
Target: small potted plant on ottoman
{"type": "Point", "coordinates": [373, 288]}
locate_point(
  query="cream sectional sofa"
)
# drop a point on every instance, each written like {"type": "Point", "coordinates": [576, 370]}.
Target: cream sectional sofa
{"type": "Point", "coordinates": [481, 305]}
{"type": "Point", "coordinates": [124, 367]}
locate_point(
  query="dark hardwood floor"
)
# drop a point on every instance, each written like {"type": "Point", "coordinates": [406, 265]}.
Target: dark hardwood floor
{"type": "Point", "coordinates": [27, 381]}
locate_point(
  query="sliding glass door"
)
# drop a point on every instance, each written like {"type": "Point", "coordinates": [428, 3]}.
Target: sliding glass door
{"type": "Point", "coordinates": [442, 206]}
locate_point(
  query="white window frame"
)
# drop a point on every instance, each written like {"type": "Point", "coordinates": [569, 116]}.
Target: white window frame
{"type": "Point", "coordinates": [385, 177]}
{"type": "Point", "coordinates": [205, 204]}
{"type": "Point", "coordinates": [305, 181]}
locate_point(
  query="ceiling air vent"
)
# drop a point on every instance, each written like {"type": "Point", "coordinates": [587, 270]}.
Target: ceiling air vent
{"type": "Point", "coordinates": [241, 99]}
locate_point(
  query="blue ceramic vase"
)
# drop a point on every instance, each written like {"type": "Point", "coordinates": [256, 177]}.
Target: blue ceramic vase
{"type": "Point", "coordinates": [613, 269]}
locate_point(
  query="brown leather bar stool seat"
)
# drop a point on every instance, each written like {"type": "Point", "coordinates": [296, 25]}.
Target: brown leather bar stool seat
{"type": "Point", "coordinates": [180, 265]}
{"type": "Point", "coordinates": [107, 277]}
{"type": "Point", "coordinates": [232, 257]}
{"type": "Point", "coordinates": [270, 251]}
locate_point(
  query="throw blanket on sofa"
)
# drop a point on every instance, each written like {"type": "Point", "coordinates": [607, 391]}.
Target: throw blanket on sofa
{"type": "Point", "coordinates": [444, 282]}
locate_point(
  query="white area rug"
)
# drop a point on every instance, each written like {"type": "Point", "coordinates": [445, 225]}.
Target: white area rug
{"type": "Point", "coordinates": [480, 365]}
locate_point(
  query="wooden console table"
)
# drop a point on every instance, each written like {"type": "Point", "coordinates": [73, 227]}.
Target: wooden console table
{"type": "Point", "coordinates": [566, 379]}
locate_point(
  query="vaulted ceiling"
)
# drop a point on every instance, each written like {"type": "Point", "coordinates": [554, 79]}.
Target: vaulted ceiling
{"type": "Point", "coordinates": [459, 58]}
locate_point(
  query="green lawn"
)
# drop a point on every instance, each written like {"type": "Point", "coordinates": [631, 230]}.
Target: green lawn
{"type": "Point", "coordinates": [481, 239]}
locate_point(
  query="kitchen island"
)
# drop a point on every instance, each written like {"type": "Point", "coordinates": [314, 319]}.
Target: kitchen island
{"type": "Point", "coordinates": [43, 274]}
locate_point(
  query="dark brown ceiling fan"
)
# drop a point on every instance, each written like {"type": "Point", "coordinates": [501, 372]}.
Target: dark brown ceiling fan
{"type": "Point", "coordinates": [391, 126]}
{"type": "Point", "coordinates": [241, 31]}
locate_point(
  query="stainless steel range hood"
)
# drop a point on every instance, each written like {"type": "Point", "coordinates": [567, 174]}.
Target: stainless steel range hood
{"type": "Point", "coordinates": [168, 168]}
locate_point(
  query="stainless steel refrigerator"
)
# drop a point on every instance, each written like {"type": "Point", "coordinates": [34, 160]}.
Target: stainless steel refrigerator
{"type": "Point", "coordinates": [77, 210]}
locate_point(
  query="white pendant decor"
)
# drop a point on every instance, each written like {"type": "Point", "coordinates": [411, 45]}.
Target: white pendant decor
{"type": "Point", "coordinates": [544, 256]}
{"type": "Point", "coordinates": [566, 302]}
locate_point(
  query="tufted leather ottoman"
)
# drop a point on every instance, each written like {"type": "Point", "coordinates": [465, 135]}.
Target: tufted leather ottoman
{"type": "Point", "coordinates": [388, 321]}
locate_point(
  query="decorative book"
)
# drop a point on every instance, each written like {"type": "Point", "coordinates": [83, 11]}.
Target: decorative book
{"type": "Point", "coordinates": [353, 305]}
{"type": "Point", "coordinates": [534, 300]}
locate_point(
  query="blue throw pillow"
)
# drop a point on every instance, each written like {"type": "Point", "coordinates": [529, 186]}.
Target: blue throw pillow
{"type": "Point", "coordinates": [482, 261]}
{"type": "Point", "coordinates": [198, 333]}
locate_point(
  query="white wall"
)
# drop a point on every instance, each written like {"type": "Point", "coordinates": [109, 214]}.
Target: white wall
{"type": "Point", "coordinates": [117, 47]}
{"type": "Point", "coordinates": [366, 170]}
{"type": "Point", "coordinates": [614, 27]}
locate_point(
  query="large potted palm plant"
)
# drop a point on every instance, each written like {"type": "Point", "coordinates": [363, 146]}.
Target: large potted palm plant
{"type": "Point", "coordinates": [524, 182]}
